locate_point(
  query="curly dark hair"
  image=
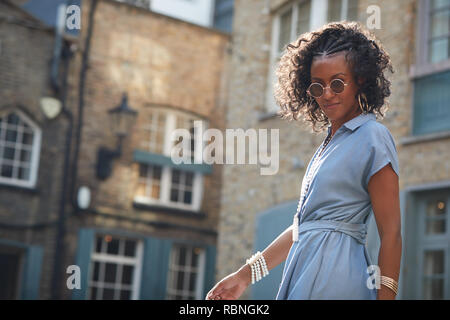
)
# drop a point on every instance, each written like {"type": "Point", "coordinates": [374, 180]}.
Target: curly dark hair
{"type": "Point", "coordinates": [365, 54]}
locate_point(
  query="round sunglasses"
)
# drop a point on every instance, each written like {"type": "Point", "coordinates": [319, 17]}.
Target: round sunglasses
{"type": "Point", "coordinates": [316, 90]}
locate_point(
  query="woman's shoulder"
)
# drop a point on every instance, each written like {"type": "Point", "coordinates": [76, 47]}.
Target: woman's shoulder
{"type": "Point", "coordinates": [374, 131]}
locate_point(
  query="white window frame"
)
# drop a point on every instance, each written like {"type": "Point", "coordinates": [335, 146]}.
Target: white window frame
{"type": "Point", "coordinates": [151, 129]}
{"type": "Point", "coordinates": [166, 173]}
{"type": "Point", "coordinates": [422, 67]}
{"type": "Point", "coordinates": [165, 186]}
{"type": "Point", "coordinates": [433, 242]}
{"type": "Point", "coordinates": [104, 257]}
{"type": "Point", "coordinates": [35, 152]}
{"type": "Point", "coordinates": [200, 271]}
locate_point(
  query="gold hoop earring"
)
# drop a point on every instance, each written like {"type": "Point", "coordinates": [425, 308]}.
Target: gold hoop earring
{"type": "Point", "coordinates": [363, 105]}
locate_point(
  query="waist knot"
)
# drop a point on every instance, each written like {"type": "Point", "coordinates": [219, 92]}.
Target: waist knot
{"type": "Point", "coordinates": [356, 230]}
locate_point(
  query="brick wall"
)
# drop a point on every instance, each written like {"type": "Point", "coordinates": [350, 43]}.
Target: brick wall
{"type": "Point", "coordinates": [25, 57]}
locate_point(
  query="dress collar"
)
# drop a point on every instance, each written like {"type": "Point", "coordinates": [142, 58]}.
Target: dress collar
{"type": "Point", "coordinates": [357, 121]}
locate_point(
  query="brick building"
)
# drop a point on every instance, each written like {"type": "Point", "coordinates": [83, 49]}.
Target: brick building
{"type": "Point", "coordinates": [32, 155]}
{"type": "Point", "coordinates": [167, 214]}
{"type": "Point", "coordinates": [258, 207]}
{"type": "Point", "coordinates": [137, 225]}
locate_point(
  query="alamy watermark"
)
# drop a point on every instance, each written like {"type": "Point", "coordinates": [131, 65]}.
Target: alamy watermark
{"type": "Point", "coordinates": [258, 151]}
{"type": "Point", "coordinates": [72, 16]}
{"type": "Point", "coordinates": [373, 281]}
{"type": "Point", "coordinates": [74, 280]}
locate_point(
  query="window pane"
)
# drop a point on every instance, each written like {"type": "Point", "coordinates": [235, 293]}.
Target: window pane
{"type": "Point", "coordinates": [174, 195]}
{"type": "Point", "coordinates": [127, 274]}
{"type": "Point", "coordinates": [113, 246]}
{"type": "Point", "coordinates": [13, 119]}
{"type": "Point", "coordinates": [334, 10]}
{"type": "Point", "coordinates": [440, 23]}
{"type": "Point", "coordinates": [157, 173]}
{"type": "Point", "coordinates": [130, 248]}
{"type": "Point", "coordinates": [143, 170]}
{"type": "Point", "coordinates": [108, 294]}
{"type": "Point", "coordinates": [25, 155]}
{"type": "Point", "coordinates": [434, 262]}
{"type": "Point", "coordinates": [304, 11]}
{"type": "Point", "coordinates": [285, 29]}
{"type": "Point", "coordinates": [24, 173]}
{"type": "Point", "coordinates": [431, 96]}
{"type": "Point", "coordinates": [150, 179]}
{"type": "Point", "coordinates": [189, 178]}
{"type": "Point", "coordinates": [93, 295]}
{"type": "Point", "coordinates": [11, 135]}
{"type": "Point", "coordinates": [433, 289]}
{"type": "Point", "coordinates": [187, 197]}
{"type": "Point", "coordinates": [7, 171]}
{"type": "Point", "coordinates": [27, 138]}
{"type": "Point", "coordinates": [96, 272]}
{"type": "Point", "coordinates": [110, 272]}
{"type": "Point", "coordinates": [98, 246]}
{"type": "Point", "coordinates": [192, 281]}
{"type": "Point", "coordinates": [155, 131]}
{"type": "Point", "coordinates": [195, 254]}
{"type": "Point", "coordinates": [141, 189]}
{"type": "Point", "coordinates": [436, 4]}
{"type": "Point", "coordinates": [180, 280]}
{"type": "Point", "coordinates": [8, 153]}
{"type": "Point", "coordinates": [155, 191]}
{"type": "Point", "coordinates": [435, 217]}
{"type": "Point", "coordinates": [352, 13]}
{"type": "Point", "coordinates": [159, 140]}
{"type": "Point", "coordinates": [125, 295]}
{"type": "Point", "coordinates": [181, 256]}
{"type": "Point", "coordinates": [439, 50]}
{"type": "Point", "coordinates": [176, 176]}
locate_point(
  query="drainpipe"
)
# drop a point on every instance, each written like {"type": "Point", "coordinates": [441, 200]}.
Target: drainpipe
{"type": "Point", "coordinates": [59, 246]}
{"type": "Point", "coordinates": [61, 48]}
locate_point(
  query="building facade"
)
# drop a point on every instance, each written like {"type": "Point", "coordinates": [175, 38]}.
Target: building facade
{"type": "Point", "coordinates": [415, 33]}
{"type": "Point", "coordinates": [166, 214]}
{"type": "Point", "coordinates": [132, 223]}
{"type": "Point", "coordinates": [31, 156]}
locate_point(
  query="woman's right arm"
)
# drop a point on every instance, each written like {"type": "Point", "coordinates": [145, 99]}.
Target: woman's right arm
{"type": "Point", "coordinates": [232, 286]}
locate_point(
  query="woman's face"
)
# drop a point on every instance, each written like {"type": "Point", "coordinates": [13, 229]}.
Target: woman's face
{"type": "Point", "coordinates": [339, 107]}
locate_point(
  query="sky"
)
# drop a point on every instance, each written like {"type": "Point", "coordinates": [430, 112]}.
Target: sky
{"type": "Point", "coordinates": [45, 10]}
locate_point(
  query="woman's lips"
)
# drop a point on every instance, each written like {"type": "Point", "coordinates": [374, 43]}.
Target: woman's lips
{"type": "Point", "coordinates": [332, 105]}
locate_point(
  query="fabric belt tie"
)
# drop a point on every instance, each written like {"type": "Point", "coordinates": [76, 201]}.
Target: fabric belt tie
{"type": "Point", "coordinates": [356, 230]}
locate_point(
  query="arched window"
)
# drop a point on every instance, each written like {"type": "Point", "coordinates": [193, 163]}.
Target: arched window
{"type": "Point", "coordinates": [20, 141]}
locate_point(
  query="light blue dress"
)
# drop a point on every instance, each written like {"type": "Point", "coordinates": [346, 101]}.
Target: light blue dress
{"type": "Point", "coordinates": [330, 259]}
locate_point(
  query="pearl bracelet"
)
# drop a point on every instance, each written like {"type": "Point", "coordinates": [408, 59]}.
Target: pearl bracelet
{"type": "Point", "coordinates": [258, 266]}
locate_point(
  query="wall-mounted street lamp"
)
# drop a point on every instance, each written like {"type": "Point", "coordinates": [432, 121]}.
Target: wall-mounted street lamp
{"type": "Point", "coordinates": [122, 119]}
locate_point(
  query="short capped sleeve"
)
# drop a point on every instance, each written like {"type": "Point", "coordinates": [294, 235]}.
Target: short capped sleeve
{"type": "Point", "coordinates": [382, 151]}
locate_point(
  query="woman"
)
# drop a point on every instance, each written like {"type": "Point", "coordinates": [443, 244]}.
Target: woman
{"type": "Point", "coordinates": [334, 78]}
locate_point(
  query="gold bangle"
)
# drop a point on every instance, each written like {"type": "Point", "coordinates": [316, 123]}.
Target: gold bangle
{"type": "Point", "coordinates": [390, 283]}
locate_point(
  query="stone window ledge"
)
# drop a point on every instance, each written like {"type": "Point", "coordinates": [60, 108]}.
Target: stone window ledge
{"type": "Point", "coordinates": [267, 115]}
{"type": "Point", "coordinates": [424, 138]}
{"type": "Point", "coordinates": [171, 211]}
